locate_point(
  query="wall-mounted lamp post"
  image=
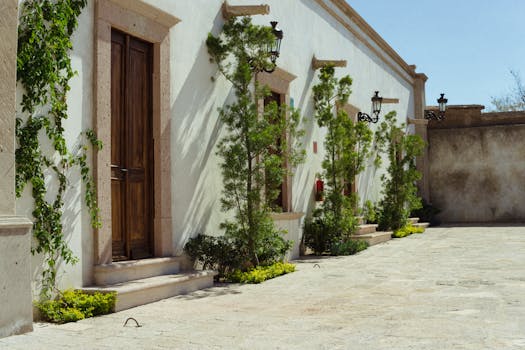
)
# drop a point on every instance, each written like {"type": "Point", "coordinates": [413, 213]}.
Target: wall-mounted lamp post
{"type": "Point", "coordinates": [442, 102]}
{"type": "Point", "coordinates": [275, 48]}
{"type": "Point", "coordinates": [376, 109]}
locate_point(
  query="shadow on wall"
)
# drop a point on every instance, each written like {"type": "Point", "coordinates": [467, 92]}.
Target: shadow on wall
{"type": "Point", "coordinates": [196, 129]}
{"type": "Point", "coordinates": [304, 175]}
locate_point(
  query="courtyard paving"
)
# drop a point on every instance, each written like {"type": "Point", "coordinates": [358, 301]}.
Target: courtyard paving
{"type": "Point", "coordinates": [449, 288]}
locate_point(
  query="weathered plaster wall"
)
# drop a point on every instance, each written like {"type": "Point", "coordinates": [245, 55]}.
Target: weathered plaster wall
{"type": "Point", "coordinates": [477, 173]}
{"type": "Point", "coordinates": [16, 310]}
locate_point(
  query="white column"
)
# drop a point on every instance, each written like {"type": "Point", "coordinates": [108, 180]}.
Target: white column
{"type": "Point", "coordinates": [16, 314]}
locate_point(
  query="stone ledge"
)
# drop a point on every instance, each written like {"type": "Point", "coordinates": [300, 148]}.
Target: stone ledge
{"type": "Point", "coordinates": [286, 216]}
{"type": "Point", "coordinates": [123, 271]}
{"type": "Point", "coordinates": [148, 290]}
{"type": "Point", "coordinates": [14, 225]}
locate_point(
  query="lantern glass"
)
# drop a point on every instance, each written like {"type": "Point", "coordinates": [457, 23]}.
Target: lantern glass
{"type": "Point", "coordinates": [442, 101]}
{"type": "Point", "coordinates": [275, 49]}
{"type": "Point", "coordinates": [376, 103]}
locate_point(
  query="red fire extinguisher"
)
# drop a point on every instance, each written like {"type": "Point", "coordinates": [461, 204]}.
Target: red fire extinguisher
{"type": "Point", "coordinates": [319, 190]}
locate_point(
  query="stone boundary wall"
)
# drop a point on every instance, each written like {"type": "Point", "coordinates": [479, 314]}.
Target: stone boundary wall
{"type": "Point", "coordinates": [477, 165]}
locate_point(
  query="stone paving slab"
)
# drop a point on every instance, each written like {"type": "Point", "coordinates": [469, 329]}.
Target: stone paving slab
{"type": "Point", "coordinates": [449, 288]}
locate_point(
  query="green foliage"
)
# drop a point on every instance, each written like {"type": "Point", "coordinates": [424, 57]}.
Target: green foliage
{"type": "Point", "coordinates": [74, 305]}
{"type": "Point", "coordinates": [261, 273]}
{"type": "Point", "coordinates": [216, 253]}
{"type": "Point", "coordinates": [44, 70]}
{"type": "Point", "coordinates": [370, 212]}
{"type": "Point", "coordinates": [317, 235]}
{"type": "Point", "coordinates": [427, 213]}
{"type": "Point", "coordinates": [225, 254]}
{"type": "Point", "coordinates": [252, 159]}
{"type": "Point", "coordinates": [347, 145]}
{"type": "Point", "coordinates": [321, 234]}
{"type": "Point", "coordinates": [407, 230]}
{"type": "Point", "coordinates": [348, 247]}
{"type": "Point", "coordinates": [400, 191]}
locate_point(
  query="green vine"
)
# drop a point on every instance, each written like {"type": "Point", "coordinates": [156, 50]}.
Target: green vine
{"type": "Point", "coordinates": [44, 70]}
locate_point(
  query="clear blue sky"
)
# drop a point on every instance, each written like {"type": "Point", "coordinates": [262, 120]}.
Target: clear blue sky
{"type": "Point", "coordinates": [465, 47]}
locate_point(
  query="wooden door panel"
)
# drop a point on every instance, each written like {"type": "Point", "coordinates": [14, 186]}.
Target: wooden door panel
{"type": "Point", "coordinates": [139, 143]}
{"type": "Point", "coordinates": [117, 96]}
{"type": "Point", "coordinates": [119, 240]}
{"type": "Point", "coordinates": [118, 44]}
{"type": "Point", "coordinates": [136, 210]}
{"type": "Point", "coordinates": [131, 146]}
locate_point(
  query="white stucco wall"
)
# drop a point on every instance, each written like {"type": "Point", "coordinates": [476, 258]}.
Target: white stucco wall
{"type": "Point", "coordinates": [308, 30]}
{"type": "Point", "coordinates": [76, 218]}
{"type": "Point", "coordinates": [195, 99]}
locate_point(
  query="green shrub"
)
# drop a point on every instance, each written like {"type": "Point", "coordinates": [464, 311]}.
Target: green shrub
{"type": "Point", "coordinates": [407, 231]}
{"type": "Point", "coordinates": [73, 305]}
{"type": "Point", "coordinates": [427, 213]}
{"type": "Point", "coordinates": [317, 235]}
{"type": "Point", "coordinates": [225, 254]}
{"type": "Point", "coordinates": [216, 253]}
{"type": "Point", "coordinates": [272, 248]}
{"type": "Point", "coordinates": [323, 234]}
{"type": "Point", "coordinates": [348, 247]}
{"type": "Point", "coordinates": [370, 212]}
{"type": "Point", "coordinates": [261, 273]}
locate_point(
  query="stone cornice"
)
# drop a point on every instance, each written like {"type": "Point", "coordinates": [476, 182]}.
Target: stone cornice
{"type": "Point", "coordinates": [144, 9]}
{"type": "Point", "coordinates": [369, 32]}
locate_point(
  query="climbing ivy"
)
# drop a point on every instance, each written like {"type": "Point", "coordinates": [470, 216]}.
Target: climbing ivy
{"type": "Point", "coordinates": [44, 70]}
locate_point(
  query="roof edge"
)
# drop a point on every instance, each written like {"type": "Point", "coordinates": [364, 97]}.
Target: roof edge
{"type": "Point", "coordinates": [370, 32]}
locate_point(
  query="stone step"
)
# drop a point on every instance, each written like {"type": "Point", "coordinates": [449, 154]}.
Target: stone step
{"type": "Point", "coordinates": [366, 229]}
{"type": "Point", "coordinates": [413, 220]}
{"type": "Point", "coordinates": [375, 237]}
{"type": "Point", "coordinates": [123, 271]}
{"type": "Point", "coordinates": [421, 224]}
{"type": "Point", "coordinates": [147, 290]}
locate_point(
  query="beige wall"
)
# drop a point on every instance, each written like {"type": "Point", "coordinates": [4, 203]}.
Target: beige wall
{"type": "Point", "coordinates": [15, 287]}
{"type": "Point", "coordinates": [477, 166]}
{"type": "Point", "coordinates": [8, 23]}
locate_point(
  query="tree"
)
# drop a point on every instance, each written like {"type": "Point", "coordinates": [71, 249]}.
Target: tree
{"type": "Point", "coordinates": [251, 158]}
{"type": "Point", "coordinates": [399, 191]}
{"type": "Point", "coordinates": [347, 146]}
{"type": "Point", "coordinates": [515, 101]}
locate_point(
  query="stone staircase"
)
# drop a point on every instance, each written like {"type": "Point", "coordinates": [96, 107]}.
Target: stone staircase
{"type": "Point", "coordinates": [368, 233]}
{"type": "Point", "coordinates": [415, 222]}
{"type": "Point", "coordinates": [139, 282]}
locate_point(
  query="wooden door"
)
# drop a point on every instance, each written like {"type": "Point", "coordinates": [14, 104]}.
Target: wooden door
{"type": "Point", "coordinates": [131, 147]}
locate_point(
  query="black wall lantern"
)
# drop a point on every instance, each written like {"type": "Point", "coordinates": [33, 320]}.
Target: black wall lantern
{"type": "Point", "coordinates": [442, 102]}
{"type": "Point", "coordinates": [376, 109]}
{"type": "Point", "coordinates": [275, 48]}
